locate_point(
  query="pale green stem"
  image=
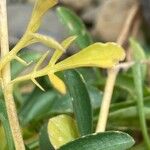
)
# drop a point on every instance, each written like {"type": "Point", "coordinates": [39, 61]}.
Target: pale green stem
{"type": "Point", "coordinates": [6, 78]}
{"type": "Point", "coordinates": [112, 74]}
{"type": "Point", "coordinates": [12, 54]}
{"type": "Point", "coordinates": [104, 111]}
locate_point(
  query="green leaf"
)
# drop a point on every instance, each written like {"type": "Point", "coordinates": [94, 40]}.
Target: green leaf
{"type": "Point", "coordinates": [81, 101]}
{"type": "Point", "coordinates": [138, 54]}
{"type": "Point", "coordinates": [125, 82]}
{"type": "Point", "coordinates": [61, 105]}
{"type": "Point", "coordinates": [55, 106]}
{"type": "Point", "coordinates": [128, 113]}
{"type": "Point", "coordinates": [64, 105]}
{"type": "Point", "coordinates": [44, 139]}
{"type": "Point", "coordinates": [95, 96]}
{"type": "Point", "coordinates": [92, 76]}
{"type": "Point", "coordinates": [27, 148]}
{"type": "Point", "coordinates": [37, 104]}
{"type": "Point", "coordinates": [125, 114]}
{"type": "Point", "coordinates": [138, 51]}
{"type": "Point", "coordinates": [75, 26]}
{"type": "Point", "coordinates": [62, 129]}
{"type": "Point", "coordinates": [138, 82]}
{"type": "Point", "coordinates": [101, 141]}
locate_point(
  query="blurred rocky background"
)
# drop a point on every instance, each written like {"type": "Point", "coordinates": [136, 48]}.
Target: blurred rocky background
{"type": "Point", "coordinates": [103, 18]}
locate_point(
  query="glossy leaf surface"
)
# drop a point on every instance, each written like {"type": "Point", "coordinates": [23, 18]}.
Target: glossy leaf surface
{"type": "Point", "coordinates": [81, 101]}
{"type": "Point", "coordinates": [101, 141]}
{"type": "Point", "coordinates": [75, 26]}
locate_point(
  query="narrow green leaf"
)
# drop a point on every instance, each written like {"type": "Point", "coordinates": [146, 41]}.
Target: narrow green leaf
{"type": "Point", "coordinates": [81, 101]}
{"type": "Point", "coordinates": [138, 82]}
{"type": "Point", "coordinates": [128, 113]}
{"type": "Point", "coordinates": [139, 54]}
{"type": "Point", "coordinates": [27, 148]}
{"type": "Point", "coordinates": [95, 96]}
{"type": "Point", "coordinates": [52, 106]}
{"type": "Point", "coordinates": [92, 76]}
{"type": "Point", "coordinates": [61, 130]}
{"type": "Point", "coordinates": [37, 104]}
{"type": "Point", "coordinates": [101, 141]}
{"type": "Point", "coordinates": [75, 26]}
{"type": "Point", "coordinates": [63, 104]}
{"type": "Point", "coordinates": [125, 82]}
{"type": "Point", "coordinates": [125, 114]}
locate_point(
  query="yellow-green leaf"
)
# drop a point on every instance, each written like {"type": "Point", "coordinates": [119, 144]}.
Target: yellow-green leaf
{"type": "Point", "coordinates": [39, 10]}
{"type": "Point", "coordinates": [96, 55]}
{"type": "Point", "coordinates": [37, 84]}
{"type": "Point", "coordinates": [39, 63]}
{"type": "Point", "coordinates": [65, 44]}
{"type": "Point", "coordinates": [61, 130]}
{"type": "Point", "coordinates": [48, 41]}
{"type": "Point", "coordinates": [57, 83]}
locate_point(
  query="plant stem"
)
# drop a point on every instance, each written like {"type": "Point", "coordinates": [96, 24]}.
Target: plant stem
{"type": "Point", "coordinates": [112, 74]}
{"type": "Point", "coordinates": [6, 78]}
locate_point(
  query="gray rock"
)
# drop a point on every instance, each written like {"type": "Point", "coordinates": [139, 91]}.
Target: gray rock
{"type": "Point", "coordinates": [111, 18]}
{"type": "Point", "coordinates": [77, 4]}
{"type": "Point", "coordinates": [15, 1]}
{"type": "Point", "coordinates": [89, 14]}
{"type": "Point", "coordinates": [146, 10]}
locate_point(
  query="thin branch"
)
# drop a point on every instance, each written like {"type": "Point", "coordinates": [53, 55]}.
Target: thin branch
{"type": "Point", "coordinates": [112, 74]}
{"type": "Point", "coordinates": [127, 26]}
{"type": "Point", "coordinates": [129, 64]}
{"type": "Point", "coordinates": [6, 78]}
